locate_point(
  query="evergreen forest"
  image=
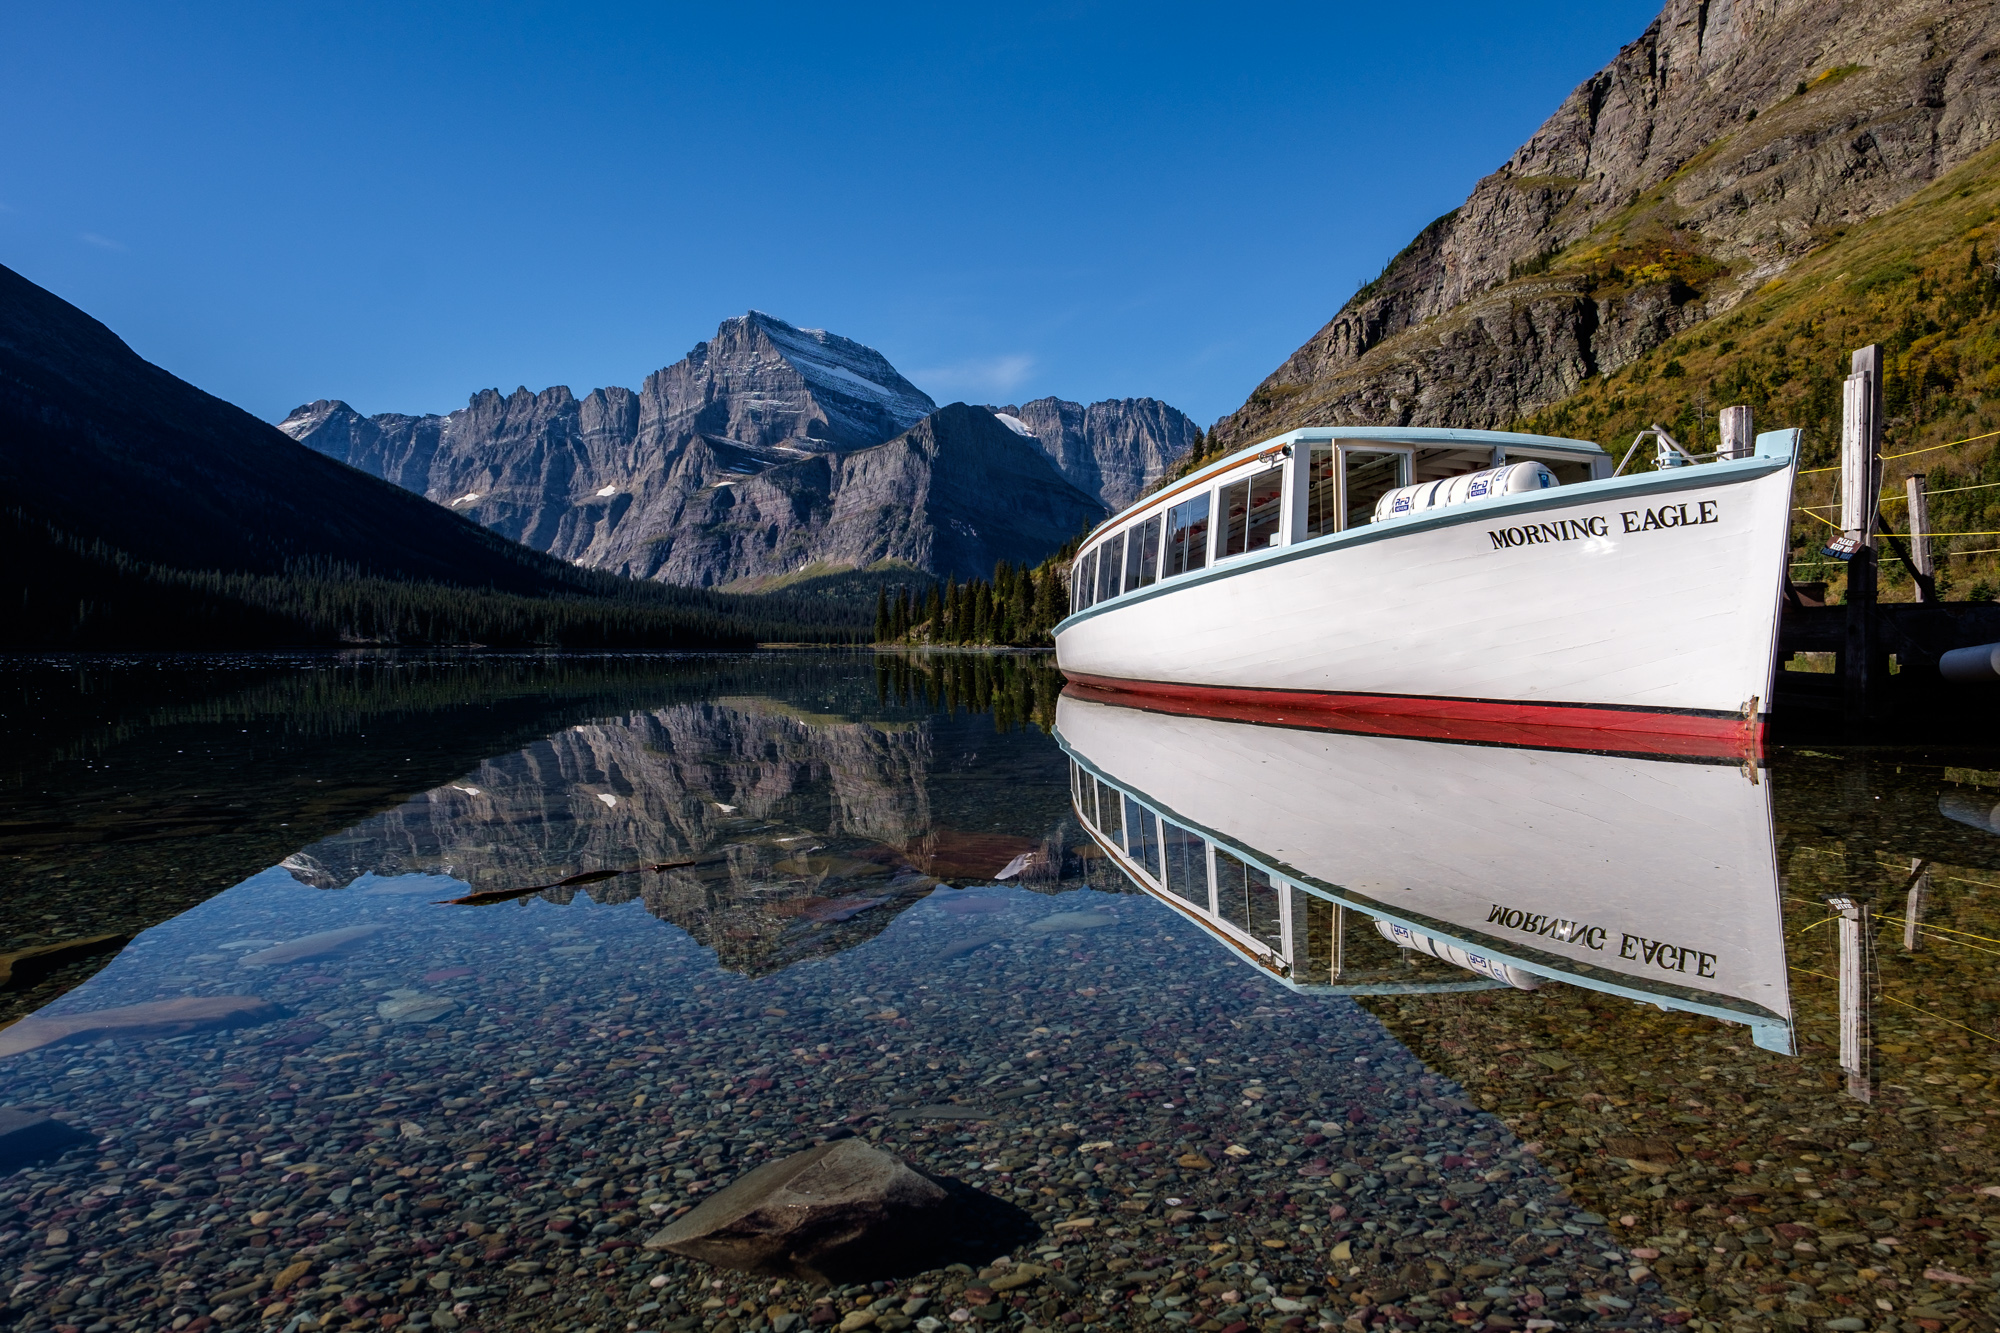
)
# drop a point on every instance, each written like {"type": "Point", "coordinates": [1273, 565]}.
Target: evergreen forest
{"type": "Point", "coordinates": [67, 592]}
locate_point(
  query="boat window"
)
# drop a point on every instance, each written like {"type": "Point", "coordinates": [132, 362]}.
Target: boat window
{"type": "Point", "coordinates": [1135, 549]}
{"type": "Point", "coordinates": [1186, 860]}
{"type": "Point", "coordinates": [1110, 567]}
{"type": "Point", "coordinates": [1149, 557]}
{"type": "Point", "coordinates": [1250, 512]}
{"type": "Point", "coordinates": [1187, 536]}
{"type": "Point", "coordinates": [1322, 492]}
{"type": "Point", "coordinates": [1086, 581]}
{"type": "Point", "coordinates": [1108, 821]}
{"type": "Point", "coordinates": [1314, 949]}
{"type": "Point", "coordinates": [1371, 474]}
{"type": "Point", "coordinates": [1142, 836]}
{"type": "Point", "coordinates": [1247, 899]}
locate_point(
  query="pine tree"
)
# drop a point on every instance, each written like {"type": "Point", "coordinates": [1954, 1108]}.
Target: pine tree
{"type": "Point", "coordinates": [882, 615]}
{"type": "Point", "coordinates": [934, 613]}
{"type": "Point", "coordinates": [1020, 605]}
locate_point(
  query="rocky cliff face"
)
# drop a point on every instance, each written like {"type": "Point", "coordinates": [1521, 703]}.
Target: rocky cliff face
{"type": "Point", "coordinates": [953, 494]}
{"type": "Point", "coordinates": [1728, 141]}
{"type": "Point", "coordinates": [1114, 449]}
{"type": "Point", "coordinates": [767, 449]}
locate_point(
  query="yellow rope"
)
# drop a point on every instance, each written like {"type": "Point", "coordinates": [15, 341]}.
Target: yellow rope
{"type": "Point", "coordinates": [1982, 550]}
{"type": "Point", "coordinates": [1914, 452]}
{"type": "Point", "coordinates": [1815, 925]}
{"type": "Point", "coordinates": [1932, 536]}
{"type": "Point", "coordinates": [1931, 449]}
{"type": "Point", "coordinates": [1928, 929]}
{"type": "Point", "coordinates": [1892, 497]}
{"type": "Point", "coordinates": [1948, 930]}
{"type": "Point", "coordinates": [1949, 490]}
{"type": "Point", "coordinates": [1963, 880]}
{"type": "Point", "coordinates": [1907, 1005]}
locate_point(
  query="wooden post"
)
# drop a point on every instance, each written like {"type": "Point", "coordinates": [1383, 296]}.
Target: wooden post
{"type": "Point", "coordinates": [1920, 528]}
{"type": "Point", "coordinates": [1914, 905]}
{"type": "Point", "coordinates": [1739, 440]}
{"type": "Point", "coordinates": [1860, 491]}
{"type": "Point", "coordinates": [1860, 446]}
{"type": "Point", "coordinates": [1856, 983]}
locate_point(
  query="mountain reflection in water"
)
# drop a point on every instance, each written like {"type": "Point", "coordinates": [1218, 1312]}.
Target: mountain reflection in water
{"type": "Point", "coordinates": [1578, 1103]}
{"type": "Point", "coordinates": [767, 833]}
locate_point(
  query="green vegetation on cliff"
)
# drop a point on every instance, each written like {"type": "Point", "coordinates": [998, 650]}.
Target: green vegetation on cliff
{"type": "Point", "coordinates": [1921, 280]}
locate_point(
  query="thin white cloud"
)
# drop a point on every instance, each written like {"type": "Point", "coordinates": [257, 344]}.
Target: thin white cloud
{"type": "Point", "coordinates": [101, 242]}
{"type": "Point", "coordinates": [993, 376]}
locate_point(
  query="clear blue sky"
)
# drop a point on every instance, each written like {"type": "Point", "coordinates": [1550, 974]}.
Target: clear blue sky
{"type": "Point", "coordinates": [400, 204]}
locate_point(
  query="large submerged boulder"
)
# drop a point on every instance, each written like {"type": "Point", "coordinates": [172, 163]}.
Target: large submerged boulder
{"type": "Point", "coordinates": [26, 1138]}
{"type": "Point", "coordinates": [825, 1214]}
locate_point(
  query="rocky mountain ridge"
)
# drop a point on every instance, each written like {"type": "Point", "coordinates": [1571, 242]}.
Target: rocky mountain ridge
{"type": "Point", "coordinates": [1694, 170]}
{"type": "Point", "coordinates": [1113, 449]}
{"type": "Point", "coordinates": [743, 462]}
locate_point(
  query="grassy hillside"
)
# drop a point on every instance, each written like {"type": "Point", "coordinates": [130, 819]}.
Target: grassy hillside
{"type": "Point", "coordinates": [1920, 280]}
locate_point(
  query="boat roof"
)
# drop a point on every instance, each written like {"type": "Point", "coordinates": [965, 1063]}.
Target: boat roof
{"type": "Point", "coordinates": [1432, 435]}
{"type": "Point", "coordinates": [1440, 436]}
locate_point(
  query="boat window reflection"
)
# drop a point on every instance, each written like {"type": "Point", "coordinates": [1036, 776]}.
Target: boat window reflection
{"type": "Point", "coordinates": [1187, 536]}
{"type": "Point", "coordinates": [1251, 509]}
{"type": "Point", "coordinates": [1186, 858]}
{"type": "Point", "coordinates": [1142, 837]}
{"type": "Point", "coordinates": [1085, 582]}
{"type": "Point", "coordinates": [1247, 900]}
{"type": "Point", "coordinates": [1371, 474]}
{"type": "Point", "coordinates": [1111, 561]}
{"type": "Point", "coordinates": [1322, 492]}
{"type": "Point", "coordinates": [1109, 821]}
{"type": "Point", "coordinates": [1149, 553]}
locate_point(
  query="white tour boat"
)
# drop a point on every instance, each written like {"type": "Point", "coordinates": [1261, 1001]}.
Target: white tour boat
{"type": "Point", "coordinates": [1450, 577]}
{"type": "Point", "coordinates": [1651, 878]}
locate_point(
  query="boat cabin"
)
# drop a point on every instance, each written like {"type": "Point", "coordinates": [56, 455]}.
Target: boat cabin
{"type": "Point", "coordinates": [1302, 486]}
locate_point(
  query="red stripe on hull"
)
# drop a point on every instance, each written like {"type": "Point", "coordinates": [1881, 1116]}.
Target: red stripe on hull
{"type": "Point", "coordinates": [1475, 721]}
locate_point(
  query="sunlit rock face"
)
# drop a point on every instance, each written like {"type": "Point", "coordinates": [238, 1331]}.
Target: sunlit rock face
{"type": "Point", "coordinates": [1721, 146]}
{"type": "Point", "coordinates": [1114, 450]}
{"type": "Point", "coordinates": [767, 450]}
{"type": "Point", "coordinates": [767, 834]}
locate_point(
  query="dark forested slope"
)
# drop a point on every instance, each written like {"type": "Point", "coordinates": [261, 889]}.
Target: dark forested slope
{"type": "Point", "coordinates": [136, 510]}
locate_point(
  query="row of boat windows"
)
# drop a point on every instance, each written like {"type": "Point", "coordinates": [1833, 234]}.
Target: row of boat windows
{"type": "Point", "coordinates": [1248, 515]}
{"type": "Point", "coordinates": [1206, 877]}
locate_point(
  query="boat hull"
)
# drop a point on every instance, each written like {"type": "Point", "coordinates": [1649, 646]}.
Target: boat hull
{"type": "Point", "coordinates": [1636, 605]}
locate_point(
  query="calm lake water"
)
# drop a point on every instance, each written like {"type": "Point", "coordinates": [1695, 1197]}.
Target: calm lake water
{"type": "Point", "coordinates": [1231, 1024]}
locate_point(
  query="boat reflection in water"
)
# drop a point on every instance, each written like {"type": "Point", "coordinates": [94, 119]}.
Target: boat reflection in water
{"type": "Point", "coordinates": [1303, 849]}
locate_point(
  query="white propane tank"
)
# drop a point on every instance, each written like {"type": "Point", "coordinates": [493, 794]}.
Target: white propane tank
{"type": "Point", "coordinates": [1490, 484]}
{"type": "Point", "coordinates": [1404, 937]}
{"type": "Point", "coordinates": [1965, 808]}
{"type": "Point", "coordinates": [1971, 666]}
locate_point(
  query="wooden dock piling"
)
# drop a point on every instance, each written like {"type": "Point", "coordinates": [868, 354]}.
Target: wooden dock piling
{"type": "Point", "coordinates": [1920, 530]}
{"type": "Point", "coordinates": [1738, 434]}
{"type": "Point", "coordinates": [1864, 666]}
